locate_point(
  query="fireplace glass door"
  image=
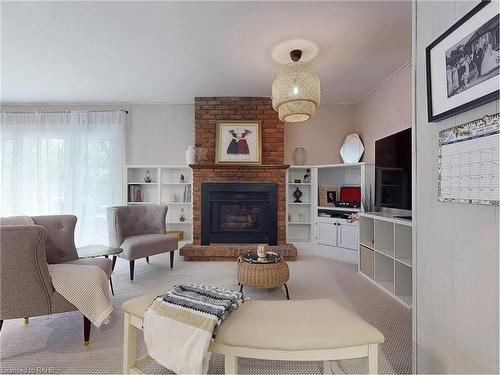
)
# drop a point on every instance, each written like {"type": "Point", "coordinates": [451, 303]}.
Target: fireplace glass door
{"type": "Point", "coordinates": [238, 213]}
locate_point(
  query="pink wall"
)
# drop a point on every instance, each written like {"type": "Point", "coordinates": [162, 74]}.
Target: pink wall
{"type": "Point", "coordinates": [385, 111]}
{"type": "Point", "coordinates": [322, 136]}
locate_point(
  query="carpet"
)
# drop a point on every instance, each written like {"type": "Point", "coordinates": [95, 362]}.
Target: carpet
{"type": "Point", "coordinates": [54, 344]}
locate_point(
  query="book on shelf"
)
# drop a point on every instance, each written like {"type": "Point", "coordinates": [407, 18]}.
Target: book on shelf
{"type": "Point", "coordinates": [186, 197]}
{"type": "Point", "coordinates": [135, 193]}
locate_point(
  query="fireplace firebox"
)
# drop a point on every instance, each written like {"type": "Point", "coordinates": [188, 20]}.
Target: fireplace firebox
{"type": "Point", "coordinates": [239, 213]}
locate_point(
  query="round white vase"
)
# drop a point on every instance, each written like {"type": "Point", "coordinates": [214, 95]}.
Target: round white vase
{"type": "Point", "coordinates": [190, 155]}
{"type": "Point", "coordinates": [299, 156]}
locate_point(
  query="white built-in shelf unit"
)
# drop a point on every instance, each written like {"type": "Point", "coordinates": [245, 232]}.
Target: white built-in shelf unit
{"type": "Point", "coordinates": [302, 217]}
{"type": "Point", "coordinates": [336, 230]}
{"type": "Point", "coordinates": [385, 254]}
{"type": "Point", "coordinates": [165, 188]}
{"type": "Point", "coordinates": [299, 214]}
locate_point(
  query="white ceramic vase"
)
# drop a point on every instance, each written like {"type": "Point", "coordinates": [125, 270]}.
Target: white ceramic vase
{"type": "Point", "coordinates": [299, 156]}
{"type": "Point", "coordinates": [190, 155]}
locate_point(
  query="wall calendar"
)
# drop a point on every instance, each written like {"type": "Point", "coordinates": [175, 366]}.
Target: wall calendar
{"type": "Point", "coordinates": [469, 162]}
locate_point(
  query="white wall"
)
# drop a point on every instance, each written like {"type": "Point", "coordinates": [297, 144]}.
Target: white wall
{"type": "Point", "coordinates": [387, 110]}
{"type": "Point", "coordinates": [457, 261]}
{"type": "Point", "coordinates": [160, 134]}
{"type": "Point", "coordinates": [156, 134]}
{"type": "Point", "coordinates": [322, 136]}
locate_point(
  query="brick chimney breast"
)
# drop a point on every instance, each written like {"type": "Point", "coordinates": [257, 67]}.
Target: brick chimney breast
{"type": "Point", "coordinates": [210, 110]}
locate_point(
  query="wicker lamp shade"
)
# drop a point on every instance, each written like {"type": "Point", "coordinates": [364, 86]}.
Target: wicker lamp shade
{"type": "Point", "coordinates": [296, 92]}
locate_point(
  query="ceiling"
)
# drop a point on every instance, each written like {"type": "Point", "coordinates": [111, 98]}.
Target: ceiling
{"type": "Point", "coordinates": [155, 52]}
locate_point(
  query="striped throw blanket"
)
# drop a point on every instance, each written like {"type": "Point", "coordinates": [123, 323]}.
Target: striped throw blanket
{"type": "Point", "coordinates": [179, 325]}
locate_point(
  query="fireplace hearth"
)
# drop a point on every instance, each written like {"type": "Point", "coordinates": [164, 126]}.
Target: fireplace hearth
{"type": "Point", "coordinates": [234, 213]}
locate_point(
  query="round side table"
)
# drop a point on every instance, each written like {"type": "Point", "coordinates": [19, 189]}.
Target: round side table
{"type": "Point", "coordinates": [272, 272]}
{"type": "Point", "coordinates": [94, 251]}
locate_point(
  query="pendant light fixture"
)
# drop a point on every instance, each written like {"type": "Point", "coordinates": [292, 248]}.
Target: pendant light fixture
{"type": "Point", "coordinates": [296, 90]}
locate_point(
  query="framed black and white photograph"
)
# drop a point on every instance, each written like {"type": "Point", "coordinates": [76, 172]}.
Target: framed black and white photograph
{"type": "Point", "coordinates": [327, 196]}
{"type": "Point", "coordinates": [463, 64]}
{"type": "Point", "coordinates": [331, 196]}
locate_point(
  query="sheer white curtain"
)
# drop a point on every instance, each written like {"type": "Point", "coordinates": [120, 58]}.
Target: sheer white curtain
{"type": "Point", "coordinates": [63, 163]}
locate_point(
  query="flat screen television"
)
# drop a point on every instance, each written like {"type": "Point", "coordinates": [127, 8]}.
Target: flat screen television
{"type": "Point", "coordinates": [393, 171]}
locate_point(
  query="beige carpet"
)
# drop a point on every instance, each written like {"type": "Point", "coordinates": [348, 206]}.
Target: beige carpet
{"type": "Point", "coordinates": [54, 344]}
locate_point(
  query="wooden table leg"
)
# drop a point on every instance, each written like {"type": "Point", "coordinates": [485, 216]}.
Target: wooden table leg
{"type": "Point", "coordinates": [111, 285]}
{"type": "Point", "coordinates": [371, 362]}
{"type": "Point", "coordinates": [286, 289]}
{"type": "Point", "coordinates": [327, 369]}
{"type": "Point", "coordinates": [230, 364]}
{"type": "Point", "coordinates": [129, 344]}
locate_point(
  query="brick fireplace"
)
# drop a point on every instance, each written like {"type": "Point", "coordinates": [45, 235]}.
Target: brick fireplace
{"type": "Point", "coordinates": [208, 111]}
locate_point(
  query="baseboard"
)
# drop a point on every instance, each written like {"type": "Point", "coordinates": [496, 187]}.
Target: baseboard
{"type": "Point", "coordinates": [333, 252]}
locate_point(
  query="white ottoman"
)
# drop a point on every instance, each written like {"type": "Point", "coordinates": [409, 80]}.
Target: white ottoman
{"type": "Point", "coordinates": [298, 330]}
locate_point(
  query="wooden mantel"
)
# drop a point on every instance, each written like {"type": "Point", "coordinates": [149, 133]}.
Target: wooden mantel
{"type": "Point", "coordinates": [239, 166]}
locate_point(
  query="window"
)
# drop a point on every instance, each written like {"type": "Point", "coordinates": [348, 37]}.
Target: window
{"type": "Point", "coordinates": [63, 163]}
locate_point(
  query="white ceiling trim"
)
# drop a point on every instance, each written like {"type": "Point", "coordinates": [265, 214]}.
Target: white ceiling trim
{"type": "Point", "coordinates": [192, 102]}
{"type": "Point", "coordinates": [383, 82]}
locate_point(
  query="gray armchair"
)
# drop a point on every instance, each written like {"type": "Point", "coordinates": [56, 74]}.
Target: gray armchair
{"type": "Point", "coordinates": [27, 245]}
{"type": "Point", "coordinates": [140, 231]}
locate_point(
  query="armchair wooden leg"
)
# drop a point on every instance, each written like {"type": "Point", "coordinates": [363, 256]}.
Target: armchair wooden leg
{"type": "Point", "coordinates": [147, 259]}
{"type": "Point", "coordinates": [171, 259]}
{"type": "Point", "coordinates": [1, 324]}
{"type": "Point", "coordinates": [114, 262]}
{"type": "Point", "coordinates": [86, 331]}
{"type": "Point", "coordinates": [132, 262]}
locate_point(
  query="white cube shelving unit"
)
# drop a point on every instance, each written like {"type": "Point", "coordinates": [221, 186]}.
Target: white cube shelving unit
{"type": "Point", "coordinates": [166, 188]}
{"type": "Point", "coordinates": [385, 254]}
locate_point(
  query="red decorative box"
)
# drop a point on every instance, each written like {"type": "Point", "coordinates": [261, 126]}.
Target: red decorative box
{"type": "Point", "coordinates": [351, 194]}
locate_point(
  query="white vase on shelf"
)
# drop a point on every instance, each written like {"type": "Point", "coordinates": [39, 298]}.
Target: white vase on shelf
{"type": "Point", "coordinates": [299, 156]}
{"type": "Point", "coordinates": [190, 155]}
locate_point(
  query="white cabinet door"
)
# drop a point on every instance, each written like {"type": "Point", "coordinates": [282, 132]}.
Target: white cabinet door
{"type": "Point", "coordinates": [327, 232]}
{"type": "Point", "coordinates": [348, 234]}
